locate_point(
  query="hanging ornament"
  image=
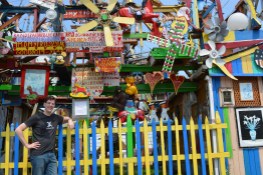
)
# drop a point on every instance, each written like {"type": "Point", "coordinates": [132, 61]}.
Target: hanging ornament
{"type": "Point", "coordinates": [177, 81]}
{"type": "Point", "coordinates": [152, 79]}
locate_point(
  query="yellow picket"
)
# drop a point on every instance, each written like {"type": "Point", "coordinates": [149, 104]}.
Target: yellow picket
{"type": "Point", "coordinates": [177, 141]}
{"type": "Point", "coordinates": [120, 148]}
{"type": "Point", "coordinates": [146, 147]}
{"type": "Point", "coordinates": [7, 143]}
{"type": "Point", "coordinates": [68, 153]}
{"type": "Point", "coordinates": [85, 149]}
{"type": "Point", "coordinates": [209, 147]}
{"type": "Point", "coordinates": [102, 148]}
{"type": "Point", "coordinates": [161, 129]}
{"type": "Point", "coordinates": [220, 144]}
{"type": "Point", "coordinates": [25, 153]}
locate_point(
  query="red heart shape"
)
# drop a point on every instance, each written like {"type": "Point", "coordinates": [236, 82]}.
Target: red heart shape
{"type": "Point", "coordinates": [152, 79]}
{"type": "Point", "coordinates": [177, 81]}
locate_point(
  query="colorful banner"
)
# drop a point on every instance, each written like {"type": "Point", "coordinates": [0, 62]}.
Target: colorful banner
{"type": "Point", "coordinates": [38, 48]}
{"type": "Point", "coordinates": [111, 64]}
{"type": "Point", "coordinates": [86, 77]}
{"type": "Point", "coordinates": [111, 79]}
{"type": "Point", "coordinates": [93, 41]}
{"type": "Point", "coordinates": [39, 37]}
{"type": "Point", "coordinates": [77, 14]}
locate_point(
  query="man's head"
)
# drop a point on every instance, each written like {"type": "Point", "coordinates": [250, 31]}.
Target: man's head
{"type": "Point", "coordinates": [49, 104]}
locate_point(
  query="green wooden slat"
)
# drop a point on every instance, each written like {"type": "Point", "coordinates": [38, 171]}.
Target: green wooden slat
{"type": "Point", "coordinates": [109, 90]}
{"type": "Point", "coordinates": [228, 132]}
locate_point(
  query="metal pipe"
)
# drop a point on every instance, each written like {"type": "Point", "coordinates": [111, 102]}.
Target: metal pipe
{"type": "Point", "coordinates": [212, 120]}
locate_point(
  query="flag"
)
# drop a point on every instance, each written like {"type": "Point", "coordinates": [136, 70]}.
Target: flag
{"type": "Point", "coordinates": [258, 57]}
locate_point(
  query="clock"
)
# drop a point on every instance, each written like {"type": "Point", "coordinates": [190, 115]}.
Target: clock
{"type": "Point", "coordinates": [246, 91]}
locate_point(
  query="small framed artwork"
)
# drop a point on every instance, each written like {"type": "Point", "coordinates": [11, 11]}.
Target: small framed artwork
{"type": "Point", "coordinates": [226, 97]}
{"type": "Point", "coordinates": [250, 126]}
{"type": "Point", "coordinates": [80, 108]}
{"type": "Point", "coordinates": [246, 91]}
{"type": "Point", "coordinates": [34, 80]}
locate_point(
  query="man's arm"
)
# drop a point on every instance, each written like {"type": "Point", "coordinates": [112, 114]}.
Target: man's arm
{"type": "Point", "coordinates": [70, 122]}
{"type": "Point", "coordinates": [19, 131]}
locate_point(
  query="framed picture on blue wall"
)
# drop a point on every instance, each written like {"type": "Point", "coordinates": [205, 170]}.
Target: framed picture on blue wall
{"type": "Point", "coordinates": [250, 126]}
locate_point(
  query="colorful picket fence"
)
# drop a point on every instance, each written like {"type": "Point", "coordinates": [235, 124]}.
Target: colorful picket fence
{"type": "Point", "coordinates": [181, 149]}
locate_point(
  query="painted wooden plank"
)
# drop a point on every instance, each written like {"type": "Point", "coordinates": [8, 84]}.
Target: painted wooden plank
{"type": "Point", "coordinates": [130, 144]}
{"type": "Point", "coordinates": [169, 144]}
{"type": "Point", "coordinates": [246, 161]}
{"type": "Point", "coordinates": [120, 148]}
{"type": "Point", "coordinates": [177, 145]}
{"type": "Point", "coordinates": [94, 149]}
{"type": "Point", "coordinates": [248, 34]}
{"type": "Point", "coordinates": [237, 69]}
{"type": "Point", "coordinates": [139, 152]}
{"type": "Point", "coordinates": [202, 146]}
{"type": "Point", "coordinates": [257, 161]}
{"type": "Point", "coordinates": [228, 134]}
{"type": "Point", "coordinates": [236, 163]}
{"type": "Point", "coordinates": [68, 154]}
{"type": "Point", "coordinates": [244, 65]}
{"type": "Point", "coordinates": [146, 148]}
{"type": "Point", "coordinates": [60, 150]}
{"type": "Point", "coordinates": [16, 153]}
{"type": "Point", "coordinates": [193, 145]}
{"type": "Point", "coordinates": [220, 144]}
{"type": "Point", "coordinates": [102, 148]}
{"type": "Point", "coordinates": [7, 148]}
{"type": "Point", "coordinates": [85, 147]}
{"type": "Point", "coordinates": [186, 148]}
{"type": "Point", "coordinates": [209, 147]}
{"type": "Point", "coordinates": [77, 152]}
{"type": "Point", "coordinates": [155, 148]}
{"type": "Point", "coordinates": [111, 150]}
{"type": "Point", "coordinates": [161, 129]}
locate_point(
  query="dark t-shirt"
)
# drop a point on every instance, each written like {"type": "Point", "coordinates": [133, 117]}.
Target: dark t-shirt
{"type": "Point", "coordinates": [44, 131]}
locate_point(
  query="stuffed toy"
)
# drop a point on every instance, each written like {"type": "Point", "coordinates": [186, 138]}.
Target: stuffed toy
{"type": "Point", "coordinates": [131, 88]}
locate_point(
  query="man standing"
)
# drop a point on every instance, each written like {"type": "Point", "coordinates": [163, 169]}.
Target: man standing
{"type": "Point", "coordinates": [44, 126]}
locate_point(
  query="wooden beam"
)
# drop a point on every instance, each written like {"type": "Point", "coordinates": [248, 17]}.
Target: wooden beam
{"type": "Point", "coordinates": [4, 2]}
{"type": "Point", "coordinates": [10, 21]}
{"type": "Point", "coordinates": [39, 24]}
{"type": "Point", "coordinates": [219, 10]}
{"type": "Point", "coordinates": [36, 19]}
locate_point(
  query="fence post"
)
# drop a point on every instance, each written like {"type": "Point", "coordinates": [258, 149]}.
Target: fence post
{"type": "Point", "coordinates": [16, 153]}
{"type": "Point", "coordinates": [129, 143]}
{"type": "Point", "coordinates": [202, 146]}
{"type": "Point", "coordinates": [186, 148]}
{"type": "Point", "coordinates": [77, 148]}
{"type": "Point", "coordinates": [60, 150]}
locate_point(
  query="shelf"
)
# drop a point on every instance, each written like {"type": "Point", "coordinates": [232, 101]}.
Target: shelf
{"type": "Point", "coordinates": [108, 90]}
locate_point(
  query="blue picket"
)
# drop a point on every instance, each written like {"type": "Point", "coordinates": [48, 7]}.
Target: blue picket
{"type": "Point", "coordinates": [169, 143]}
{"type": "Point", "coordinates": [202, 146]}
{"type": "Point", "coordinates": [111, 150]}
{"type": "Point", "coordinates": [77, 153]}
{"type": "Point", "coordinates": [186, 149]}
{"type": "Point", "coordinates": [155, 148]}
{"type": "Point", "coordinates": [16, 153]}
{"type": "Point", "coordinates": [60, 150]}
{"type": "Point", "coordinates": [94, 149]}
{"type": "Point", "coordinates": [139, 151]}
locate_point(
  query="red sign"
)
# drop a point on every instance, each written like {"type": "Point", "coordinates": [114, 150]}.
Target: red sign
{"type": "Point", "coordinates": [111, 64]}
{"type": "Point", "coordinates": [38, 48]}
{"type": "Point", "coordinates": [76, 14]}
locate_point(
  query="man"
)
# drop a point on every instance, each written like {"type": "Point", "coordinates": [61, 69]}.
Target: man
{"type": "Point", "coordinates": [44, 126]}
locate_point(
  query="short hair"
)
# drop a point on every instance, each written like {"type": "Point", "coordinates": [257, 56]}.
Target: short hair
{"type": "Point", "coordinates": [50, 97]}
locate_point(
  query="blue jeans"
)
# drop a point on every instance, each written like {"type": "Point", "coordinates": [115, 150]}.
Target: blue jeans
{"type": "Point", "coordinates": [45, 164]}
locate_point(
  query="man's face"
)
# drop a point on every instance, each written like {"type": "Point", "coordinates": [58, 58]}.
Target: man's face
{"type": "Point", "coordinates": [49, 105]}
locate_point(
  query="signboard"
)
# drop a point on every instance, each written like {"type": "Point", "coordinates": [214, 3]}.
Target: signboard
{"type": "Point", "coordinates": [77, 14]}
{"type": "Point", "coordinates": [38, 48]}
{"type": "Point", "coordinates": [92, 38]}
{"type": "Point", "coordinates": [111, 79]}
{"type": "Point", "coordinates": [45, 3]}
{"type": "Point", "coordinates": [111, 64]}
{"type": "Point", "coordinates": [88, 78]}
{"type": "Point", "coordinates": [39, 37]}
{"type": "Point", "coordinates": [93, 41]}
